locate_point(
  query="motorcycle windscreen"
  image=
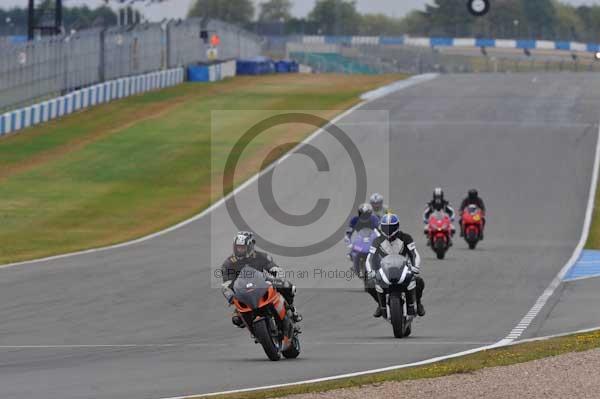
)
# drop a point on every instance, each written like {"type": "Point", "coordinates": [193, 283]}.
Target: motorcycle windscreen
{"type": "Point", "coordinates": [439, 215]}
{"type": "Point", "coordinates": [362, 241]}
{"type": "Point", "coordinates": [394, 270]}
{"type": "Point", "coordinates": [250, 286]}
{"type": "Point", "coordinates": [472, 209]}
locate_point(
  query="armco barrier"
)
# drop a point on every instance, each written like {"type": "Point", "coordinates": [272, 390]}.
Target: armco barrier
{"type": "Point", "coordinates": [13, 121]}
{"type": "Point", "coordinates": [211, 73]}
{"type": "Point", "coordinates": [255, 66]}
{"type": "Point", "coordinates": [452, 42]}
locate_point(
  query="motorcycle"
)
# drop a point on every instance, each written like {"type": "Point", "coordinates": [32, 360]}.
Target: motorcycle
{"type": "Point", "coordinates": [439, 230]}
{"type": "Point", "coordinates": [396, 281]}
{"type": "Point", "coordinates": [472, 225]}
{"type": "Point", "coordinates": [266, 314]}
{"type": "Point", "coordinates": [359, 249]}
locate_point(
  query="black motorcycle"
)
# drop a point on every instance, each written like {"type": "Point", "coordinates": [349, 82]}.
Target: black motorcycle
{"type": "Point", "coordinates": [396, 281]}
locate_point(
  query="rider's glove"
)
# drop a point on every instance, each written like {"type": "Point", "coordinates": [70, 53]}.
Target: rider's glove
{"type": "Point", "coordinates": [371, 275]}
{"type": "Point", "coordinates": [276, 272]}
{"type": "Point", "coordinates": [228, 294]}
{"type": "Point", "coordinates": [346, 240]}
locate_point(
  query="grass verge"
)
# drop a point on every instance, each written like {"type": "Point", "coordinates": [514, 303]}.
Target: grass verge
{"type": "Point", "coordinates": [593, 241]}
{"type": "Point", "coordinates": [466, 364]}
{"type": "Point", "coordinates": [126, 169]}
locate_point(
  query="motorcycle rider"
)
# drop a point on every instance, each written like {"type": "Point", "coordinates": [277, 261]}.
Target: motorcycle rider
{"type": "Point", "coordinates": [438, 203]}
{"type": "Point", "coordinates": [364, 219]}
{"type": "Point", "coordinates": [376, 201]}
{"type": "Point", "coordinates": [393, 241]}
{"type": "Point", "coordinates": [243, 255]}
{"type": "Point", "coordinates": [472, 198]}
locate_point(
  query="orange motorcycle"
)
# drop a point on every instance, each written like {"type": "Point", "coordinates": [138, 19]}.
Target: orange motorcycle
{"type": "Point", "coordinates": [266, 313]}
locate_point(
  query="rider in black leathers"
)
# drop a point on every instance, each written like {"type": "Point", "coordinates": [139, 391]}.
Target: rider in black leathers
{"type": "Point", "coordinates": [438, 203]}
{"type": "Point", "coordinates": [472, 198]}
{"type": "Point", "coordinates": [243, 255]}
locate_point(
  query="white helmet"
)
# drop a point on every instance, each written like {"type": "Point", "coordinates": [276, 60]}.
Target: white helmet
{"type": "Point", "coordinates": [376, 201]}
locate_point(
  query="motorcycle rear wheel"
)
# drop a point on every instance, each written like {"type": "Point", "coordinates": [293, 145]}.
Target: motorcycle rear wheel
{"type": "Point", "coordinates": [263, 335]}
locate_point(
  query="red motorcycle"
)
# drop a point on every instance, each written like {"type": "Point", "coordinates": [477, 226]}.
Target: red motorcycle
{"type": "Point", "coordinates": [472, 225]}
{"type": "Point", "coordinates": [438, 231]}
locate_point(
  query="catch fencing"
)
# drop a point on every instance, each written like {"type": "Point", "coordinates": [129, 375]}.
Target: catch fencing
{"type": "Point", "coordinates": [54, 66]}
{"type": "Point", "coordinates": [364, 54]}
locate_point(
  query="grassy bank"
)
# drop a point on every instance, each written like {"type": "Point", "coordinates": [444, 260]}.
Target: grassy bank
{"type": "Point", "coordinates": [593, 241]}
{"type": "Point", "coordinates": [134, 166]}
{"type": "Point", "coordinates": [466, 364]}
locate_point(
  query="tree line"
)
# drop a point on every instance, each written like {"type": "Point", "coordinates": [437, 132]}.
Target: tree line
{"type": "Point", "coordinates": [534, 19]}
{"type": "Point", "coordinates": [14, 21]}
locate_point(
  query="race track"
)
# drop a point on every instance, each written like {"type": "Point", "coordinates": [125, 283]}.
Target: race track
{"type": "Point", "coordinates": [143, 321]}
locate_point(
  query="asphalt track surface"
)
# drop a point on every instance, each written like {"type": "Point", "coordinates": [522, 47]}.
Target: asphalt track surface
{"type": "Point", "coordinates": [143, 321]}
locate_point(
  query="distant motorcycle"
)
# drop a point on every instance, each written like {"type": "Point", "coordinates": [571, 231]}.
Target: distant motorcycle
{"type": "Point", "coordinates": [472, 225]}
{"type": "Point", "coordinates": [396, 280]}
{"type": "Point", "coordinates": [266, 314]}
{"type": "Point", "coordinates": [439, 231]}
{"type": "Point", "coordinates": [359, 249]}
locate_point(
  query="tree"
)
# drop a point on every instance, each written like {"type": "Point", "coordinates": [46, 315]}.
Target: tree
{"type": "Point", "coordinates": [335, 17]}
{"type": "Point", "coordinates": [540, 16]}
{"type": "Point", "coordinates": [590, 16]}
{"type": "Point", "coordinates": [380, 24]}
{"type": "Point", "coordinates": [238, 12]}
{"type": "Point", "coordinates": [569, 25]}
{"type": "Point", "coordinates": [275, 11]}
{"type": "Point", "coordinates": [449, 18]}
{"type": "Point", "coordinates": [416, 23]}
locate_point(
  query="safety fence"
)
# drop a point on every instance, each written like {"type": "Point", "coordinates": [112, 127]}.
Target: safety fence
{"type": "Point", "coordinates": [421, 55]}
{"type": "Point", "coordinates": [450, 42]}
{"type": "Point", "coordinates": [13, 121]}
{"type": "Point", "coordinates": [50, 67]}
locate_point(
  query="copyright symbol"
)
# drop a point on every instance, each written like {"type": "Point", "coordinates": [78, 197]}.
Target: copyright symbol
{"type": "Point", "coordinates": [265, 183]}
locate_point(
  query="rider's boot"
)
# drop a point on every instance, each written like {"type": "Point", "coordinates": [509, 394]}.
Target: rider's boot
{"type": "Point", "coordinates": [378, 312]}
{"type": "Point", "coordinates": [296, 316]}
{"type": "Point", "coordinates": [237, 321]}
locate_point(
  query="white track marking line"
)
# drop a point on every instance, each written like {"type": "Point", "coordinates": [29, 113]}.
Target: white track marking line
{"type": "Point", "coordinates": [206, 344]}
{"type": "Point", "coordinates": [475, 123]}
{"type": "Point", "coordinates": [558, 279]}
{"type": "Point", "coordinates": [108, 346]}
{"type": "Point", "coordinates": [510, 338]}
{"type": "Point", "coordinates": [420, 363]}
{"type": "Point", "coordinates": [568, 280]}
{"type": "Point", "coordinates": [405, 84]}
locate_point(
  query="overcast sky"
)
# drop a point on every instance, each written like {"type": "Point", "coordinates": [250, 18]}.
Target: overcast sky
{"type": "Point", "coordinates": [179, 8]}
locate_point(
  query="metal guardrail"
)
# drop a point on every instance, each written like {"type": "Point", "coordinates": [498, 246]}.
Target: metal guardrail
{"type": "Point", "coordinates": [51, 67]}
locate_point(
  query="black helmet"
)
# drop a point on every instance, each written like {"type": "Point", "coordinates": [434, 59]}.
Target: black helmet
{"type": "Point", "coordinates": [243, 244]}
{"type": "Point", "coordinates": [365, 211]}
{"type": "Point", "coordinates": [473, 194]}
{"type": "Point", "coordinates": [438, 198]}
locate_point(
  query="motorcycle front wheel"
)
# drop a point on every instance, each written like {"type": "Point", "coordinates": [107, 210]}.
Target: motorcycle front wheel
{"type": "Point", "coordinates": [262, 333]}
{"type": "Point", "coordinates": [397, 316]}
